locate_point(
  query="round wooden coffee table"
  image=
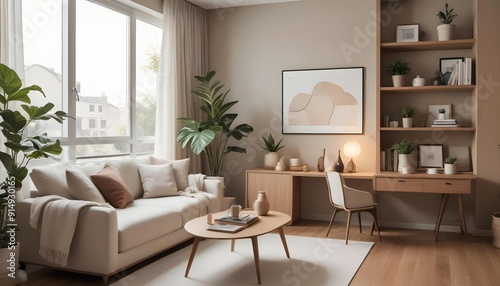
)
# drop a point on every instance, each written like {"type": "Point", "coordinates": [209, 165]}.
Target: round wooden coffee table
{"type": "Point", "coordinates": [272, 221]}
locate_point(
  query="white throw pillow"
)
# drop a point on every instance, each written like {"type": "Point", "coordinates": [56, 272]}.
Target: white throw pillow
{"type": "Point", "coordinates": [51, 180]}
{"type": "Point", "coordinates": [82, 188]}
{"type": "Point", "coordinates": [181, 170]}
{"type": "Point", "coordinates": [158, 180]}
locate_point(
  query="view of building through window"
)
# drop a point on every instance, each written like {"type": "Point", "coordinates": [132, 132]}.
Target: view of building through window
{"type": "Point", "coordinates": [113, 106]}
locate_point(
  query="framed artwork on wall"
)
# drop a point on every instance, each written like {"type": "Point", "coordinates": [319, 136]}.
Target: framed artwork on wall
{"type": "Point", "coordinates": [407, 33]}
{"type": "Point", "coordinates": [323, 101]}
{"type": "Point", "coordinates": [430, 156]}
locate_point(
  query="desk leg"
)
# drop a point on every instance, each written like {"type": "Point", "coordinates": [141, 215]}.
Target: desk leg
{"type": "Point", "coordinates": [193, 252]}
{"type": "Point", "coordinates": [283, 240]}
{"type": "Point", "coordinates": [444, 200]}
{"type": "Point", "coordinates": [233, 242]}
{"type": "Point", "coordinates": [462, 217]}
{"type": "Point", "coordinates": [255, 245]}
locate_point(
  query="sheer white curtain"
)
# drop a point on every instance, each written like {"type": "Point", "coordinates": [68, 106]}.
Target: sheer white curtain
{"type": "Point", "coordinates": [11, 35]}
{"type": "Point", "coordinates": [183, 55]}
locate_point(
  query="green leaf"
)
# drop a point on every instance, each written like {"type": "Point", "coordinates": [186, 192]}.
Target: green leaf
{"type": "Point", "coordinates": [9, 80]}
{"type": "Point", "coordinates": [7, 161]}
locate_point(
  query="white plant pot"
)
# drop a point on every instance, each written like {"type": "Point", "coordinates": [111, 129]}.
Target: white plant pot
{"type": "Point", "coordinates": [405, 165]}
{"type": "Point", "coordinates": [398, 80]}
{"type": "Point", "coordinates": [441, 116]}
{"type": "Point", "coordinates": [407, 122]}
{"type": "Point", "coordinates": [450, 169]}
{"type": "Point", "coordinates": [270, 160]}
{"type": "Point", "coordinates": [445, 32]}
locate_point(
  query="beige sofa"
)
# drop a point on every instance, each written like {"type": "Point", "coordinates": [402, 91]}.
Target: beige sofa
{"type": "Point", "coordinates": [108, 240]}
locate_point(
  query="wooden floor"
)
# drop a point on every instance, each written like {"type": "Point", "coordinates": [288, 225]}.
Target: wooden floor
{"type": "Point", "coordinates": [404, 257]}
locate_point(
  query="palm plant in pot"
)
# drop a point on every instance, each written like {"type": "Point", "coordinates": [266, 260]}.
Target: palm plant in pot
{"type": "Point", "coordinates": [398, 69]}
{"type": "Point", "coordinates": [19, 147]}
{"type": "Point", "coordinates": [404, 148]}
{"type": "Point", "coordinates": [211, 134]}
{"type": "Point", "coordinates": [407, 112]}
{"type": "Point", "coordinates": [272, 157]}
{"type": "Point", "coordinates": [446, 29]}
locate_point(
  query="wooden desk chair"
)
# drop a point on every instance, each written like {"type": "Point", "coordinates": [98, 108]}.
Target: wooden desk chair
{"type": "Point", "coordinates": [344, 198]}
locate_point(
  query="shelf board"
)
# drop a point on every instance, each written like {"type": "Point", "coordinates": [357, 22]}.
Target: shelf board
{"type": "Point", "coordinates": [427, 88]}
{"type": "Point", "coordinates": [459, 129]}
{"type": "Point", "coordinates": [427, 45]}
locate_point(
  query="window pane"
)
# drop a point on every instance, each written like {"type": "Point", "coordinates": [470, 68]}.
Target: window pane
{"type": "Point", "coordinates": [147, 57]}
{"type": "Point", "coordinates": [43, 57]}
{"type": "Point", "coordinates": [102, 70]}
{"type": "Point", "coordinates": [102, 149]}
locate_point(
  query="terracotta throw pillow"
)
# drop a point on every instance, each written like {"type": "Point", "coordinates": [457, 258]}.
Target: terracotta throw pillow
{"type": "Point", "coordinates": [112, 187]}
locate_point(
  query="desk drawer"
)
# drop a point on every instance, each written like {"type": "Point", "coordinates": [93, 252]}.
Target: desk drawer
{"type": "Point", "coordinates": [447, 186]}
{"type": "Point", "coordinates": [399, 185]}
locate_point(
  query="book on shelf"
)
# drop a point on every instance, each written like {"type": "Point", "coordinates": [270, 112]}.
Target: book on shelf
{"type": "Point", "coordinates": [244, 220]}
{"type": "Point", "coordinates": [445, 125]}
{"type": "Point", "coordinates": [462, 73]}
{"type": "Point", "coordinates": [226, 227]}
{"type": "Point", "coordinates": [444, 122]}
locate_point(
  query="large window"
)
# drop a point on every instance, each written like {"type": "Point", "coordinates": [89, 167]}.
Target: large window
{"type": "Point", "coordinates": [98, 61]}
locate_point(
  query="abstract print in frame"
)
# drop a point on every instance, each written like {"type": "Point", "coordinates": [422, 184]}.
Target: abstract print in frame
{"type": "Point", "coordinates": [323, 101]}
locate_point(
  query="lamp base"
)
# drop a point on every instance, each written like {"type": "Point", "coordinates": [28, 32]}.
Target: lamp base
{"type": "Point", "coordinates": [351, 167]}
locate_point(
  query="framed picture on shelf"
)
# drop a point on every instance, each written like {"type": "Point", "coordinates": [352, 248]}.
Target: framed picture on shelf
{"type": "Point", "coordinates": [430, 156]}
{"type": "Point", "coordinates": [407, 33]}
{"type": "Point", "coordinates": [446, 68]}
{"type": "Point", "coordinates": [463, 157]}
{"type": "Point", "coordinates": [434, 111]}
{"type": "Point", "coordinates": [323, 101]}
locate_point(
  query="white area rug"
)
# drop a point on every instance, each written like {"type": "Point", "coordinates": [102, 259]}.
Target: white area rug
{"type": "Point", "coordinates": [313, 261]}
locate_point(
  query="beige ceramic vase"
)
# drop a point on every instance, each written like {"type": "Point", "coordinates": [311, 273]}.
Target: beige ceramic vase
{"type": "Point", "coordinates": [261, 205]}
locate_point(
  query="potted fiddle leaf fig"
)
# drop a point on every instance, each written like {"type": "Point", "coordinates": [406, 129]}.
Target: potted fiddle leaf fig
{"type": "Point", "coordinates": [446, 29]}
{"type": "Point", "coordinates": [19, 147]}
{"type": "Point", "coordinates": [212, 133]}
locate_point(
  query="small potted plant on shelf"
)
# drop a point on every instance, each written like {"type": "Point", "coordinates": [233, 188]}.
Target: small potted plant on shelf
{"type": "Point", "coordinates": [446, 29]}
{"type": "Point", "coordinates": [407, 112]}
{"type": "Point", "coordinates": [442, 113]}
{"type": "Point", "coordinates": [272, 157]}
{"type": "Point", "coordinates": [398, 69]}
{"type": "Point", "coordinates": [449, 165]}
{"type": "Point", "coordinates": [404, 149]}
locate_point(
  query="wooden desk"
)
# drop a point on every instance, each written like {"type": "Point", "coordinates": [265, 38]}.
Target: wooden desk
{"type": "Point", "coordinates": [283, 188]}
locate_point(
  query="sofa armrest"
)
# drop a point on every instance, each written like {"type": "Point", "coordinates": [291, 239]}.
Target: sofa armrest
{"type": "Point", "coordinates": [215, 187]}
{"type": "Point", "coordinates": [94, 248]}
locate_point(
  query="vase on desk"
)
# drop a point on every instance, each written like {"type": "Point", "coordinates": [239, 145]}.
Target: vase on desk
{"type": "Point", "coordinates": [261, 205]}
{"type": "Point", "coordinates": [339, 165]}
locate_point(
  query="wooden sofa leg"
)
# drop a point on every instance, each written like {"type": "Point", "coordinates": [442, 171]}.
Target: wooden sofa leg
{"type": "Point", "coordinates": [105, 280]}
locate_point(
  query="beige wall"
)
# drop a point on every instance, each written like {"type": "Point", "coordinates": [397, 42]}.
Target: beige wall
{"type": "Point", "coordinates": [250, 46]}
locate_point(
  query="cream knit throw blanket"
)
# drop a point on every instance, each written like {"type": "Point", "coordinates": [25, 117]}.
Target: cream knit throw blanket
{"type": "Point", "coordinates": [58, 223]}
{"type": "Point", "coordinates": [195, 182]}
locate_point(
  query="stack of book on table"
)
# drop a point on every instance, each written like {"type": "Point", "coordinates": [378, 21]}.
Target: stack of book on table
{"type": "Point", "coordinates": [445, 123]}
{"type": "Point", "coordinates": [233, 224]}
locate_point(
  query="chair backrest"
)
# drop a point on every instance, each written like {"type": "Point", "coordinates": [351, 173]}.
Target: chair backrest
{"type": "Point", "coordinates": [335, 184]}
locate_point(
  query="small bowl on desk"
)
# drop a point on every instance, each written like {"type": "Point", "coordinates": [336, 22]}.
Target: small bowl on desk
{"type": "Point", "coordinates": [432, 171]}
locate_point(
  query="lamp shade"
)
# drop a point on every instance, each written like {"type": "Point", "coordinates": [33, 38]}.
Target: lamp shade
{"type": "Point", "coordinates": [352, 149]}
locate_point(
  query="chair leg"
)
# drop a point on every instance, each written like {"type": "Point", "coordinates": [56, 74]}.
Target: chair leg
{"type": "Point", "coordinates": [348, 225]}
{"type": "Point", "coordinates": [331, 221]}
{"type": "Point", "coordinates": [359, 221]}
{"type": "Point", "coordinates": [375, 221]}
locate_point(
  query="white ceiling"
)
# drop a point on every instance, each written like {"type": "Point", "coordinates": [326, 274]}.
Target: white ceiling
{"type": "Point", "coordinates": [217, 4]}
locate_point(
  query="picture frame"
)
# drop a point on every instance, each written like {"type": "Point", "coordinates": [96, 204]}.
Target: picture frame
{"type": "Point", "coordinates": [430, 156]}
{"type": "Point", "coordinates": [433, 112]}
{"type": "Point", "coordinates": [323, 101]}
{"type": "Point", "coordinates": [407, 33]}
{"type": "Point", "coordinates": [463, 157]}
{"type": "Point", "coordinates": [446, 67]}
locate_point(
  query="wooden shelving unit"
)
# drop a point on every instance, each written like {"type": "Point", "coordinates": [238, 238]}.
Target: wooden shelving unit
{"type": "Point", "coordinates": [428, 46]}
{"type": "Point", "coordinates": [427, 88]}
{"type": "Point", "coordinates": [428, 129]}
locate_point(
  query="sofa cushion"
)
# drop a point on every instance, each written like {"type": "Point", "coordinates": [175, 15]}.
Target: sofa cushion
{"type": "Point", "coordinates": [127, 169]}
{"type": "Point", "coordinates": [158, 180]}
{"type": "Point", "coordinates": [181, 170]}
{"type": "Point", "coordinates": [140, 224]}
{"type": "Point", "coordinates": [82, 188]}
{"type": "Point", "coordinates": [112, 187]}
{"type": "Point", "coordinates": [51, 180]}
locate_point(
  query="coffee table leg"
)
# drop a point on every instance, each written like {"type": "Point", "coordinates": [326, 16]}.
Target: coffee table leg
{"type": "Point", "coordinates": [255, 246]}
{"type": "Point", "coordinates": [193, 252]}
{"type": "Point", "coordinates": [283, 240]}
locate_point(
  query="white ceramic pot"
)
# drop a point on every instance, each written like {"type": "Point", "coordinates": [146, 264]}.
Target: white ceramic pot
{"type": "Point", "coordinates": [398, 80]}
{"type": "Point", "coordinates": [418, 81]}
{"type": "Point", "coordinates": [270, 160]}
{"type": "Point", "coordinates": [445, 32]}
{"type": "Point", "coordinates": [441, 116]}
{"type": "Point", "coordinates": [405, 165]}
{"type": "Point", "coordinates": [261, 205]}
{"type": "Point", "coordinates": [450, 169]}
{"type": "Point", "coordinates": [407, 122]}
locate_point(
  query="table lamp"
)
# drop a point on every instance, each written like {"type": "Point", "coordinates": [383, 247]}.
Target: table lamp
{"type": "Point", "coordinates": [351, 149]}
